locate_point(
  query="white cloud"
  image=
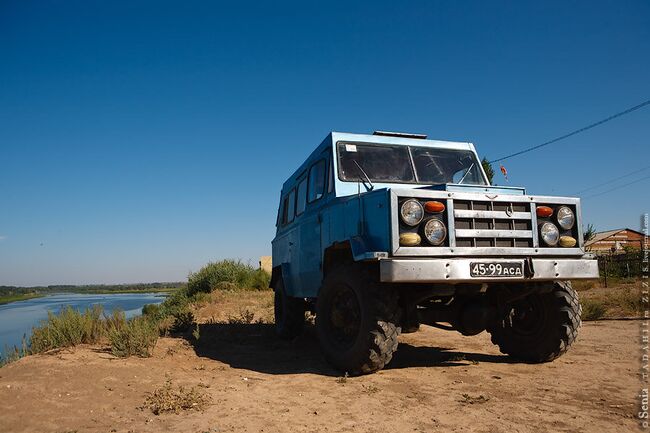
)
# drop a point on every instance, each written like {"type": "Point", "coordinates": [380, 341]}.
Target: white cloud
{"type": "Point", "coordinates": [2, 238]}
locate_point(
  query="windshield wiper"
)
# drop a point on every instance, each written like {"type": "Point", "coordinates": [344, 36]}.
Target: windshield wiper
{"type": "Point", "coordinates": [369, 186]}
{"type": "Point", "coordinates": [466, 173]}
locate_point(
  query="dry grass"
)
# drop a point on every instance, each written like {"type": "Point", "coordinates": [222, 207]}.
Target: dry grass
{"type": "Point", "coordinates": [226, 306]}
{"type": "Point", "coordinates": [468, 399]}
{"type": "Point", "coordinates": [621, 300]}
{"type": "Point", "coordinates": [168, 399]}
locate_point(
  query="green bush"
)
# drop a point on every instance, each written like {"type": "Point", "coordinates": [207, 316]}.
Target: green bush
{"type": "Point", "coordinates": [151, 310]}
{"type": "Point", "coordinates": [177, 301]}
{"type": "Point", "coordinates": [68, 328]}
{"type": "Point", "coordinates": [592, 309]}
{"type": "Point", "coordinates": [182, 320]}
{"type": "Point", "coordinates": [137, 338]}
{"type": "Point", "coordinates": [230, 274]}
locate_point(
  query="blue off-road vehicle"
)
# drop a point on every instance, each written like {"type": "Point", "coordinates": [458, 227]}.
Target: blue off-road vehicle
{"type": "Point", "coordinates": [379, 233]}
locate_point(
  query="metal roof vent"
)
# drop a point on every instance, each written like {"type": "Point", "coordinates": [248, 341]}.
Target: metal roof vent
{"type": "Point", "coordinates": [400, 134]}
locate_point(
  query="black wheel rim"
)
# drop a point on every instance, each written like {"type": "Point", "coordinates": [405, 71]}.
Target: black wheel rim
{"type": "Point", "coordinates": [527, 316]}
{"type": "Point", "coordinates": [344, 317]}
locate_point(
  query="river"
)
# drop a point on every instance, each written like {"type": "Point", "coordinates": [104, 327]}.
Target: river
{"type": "Point", "coordinates": [18, 318]}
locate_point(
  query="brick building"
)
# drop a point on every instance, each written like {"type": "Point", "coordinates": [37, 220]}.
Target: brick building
{"type": "Point", "coordinates": [615, 241]}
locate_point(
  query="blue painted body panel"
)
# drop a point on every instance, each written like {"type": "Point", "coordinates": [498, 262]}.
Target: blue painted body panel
{"type": "Point", "coordinates": [347, 213]}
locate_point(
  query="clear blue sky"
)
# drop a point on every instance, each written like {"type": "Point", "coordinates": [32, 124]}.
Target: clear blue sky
{"type": "Point", "coordinates": [139, 141]}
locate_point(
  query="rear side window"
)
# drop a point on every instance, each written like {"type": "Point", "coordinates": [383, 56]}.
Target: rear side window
{"type": "Point", "coordinates": [330, 179]}
{"type": "Point", "coordinates": [317, 181]}
{"type": "Point", "coordinates": [301, 198]}
{"type": "Point", "coordinates": [289, 207]}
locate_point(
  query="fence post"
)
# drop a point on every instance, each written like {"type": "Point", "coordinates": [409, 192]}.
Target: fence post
{"type": "Point", "coordinates": [605, 264]}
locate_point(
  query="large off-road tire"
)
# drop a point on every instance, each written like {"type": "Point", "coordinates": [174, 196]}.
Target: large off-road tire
{"type": "Point", "coordinates": [541, 326]}
{"type": "Point", "coordinates": [357, 320]}
{"type": "Point", "coordinates": [289, 313]}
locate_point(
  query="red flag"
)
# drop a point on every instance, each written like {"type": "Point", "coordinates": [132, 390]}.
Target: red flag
{"type": "Point", "coordinates": [504, 172]}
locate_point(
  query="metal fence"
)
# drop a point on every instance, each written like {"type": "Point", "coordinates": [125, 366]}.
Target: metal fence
{"type": "Point", "coordinates": [626, 265]}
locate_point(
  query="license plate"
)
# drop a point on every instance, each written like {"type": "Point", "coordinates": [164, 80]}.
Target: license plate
{"type": "Point", "coordinates": [496, 269]}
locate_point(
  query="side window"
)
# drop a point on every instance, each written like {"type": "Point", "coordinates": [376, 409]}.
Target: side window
{"type": "Point", "coordinates": [317, 181]}
{"type": "Point", "coordinates": [288, 207]}
{"type": "Point", "coordinates": [330, 178]}
{"type": "Point", "coordinates": [291, 208]}
{"type": "Point", "coordinates": [301, 198]}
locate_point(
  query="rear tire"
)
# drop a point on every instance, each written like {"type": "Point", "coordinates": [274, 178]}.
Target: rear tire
{"type": "Point", "coordinates": [289, 313]}
{"type": "Point", "coordinates": [357, 320]}
{"type": "Point", "coordinates": [540, 327]}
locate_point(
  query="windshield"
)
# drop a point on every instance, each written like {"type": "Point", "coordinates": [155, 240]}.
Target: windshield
{"type": "Point", "coordinates": [408, 164]}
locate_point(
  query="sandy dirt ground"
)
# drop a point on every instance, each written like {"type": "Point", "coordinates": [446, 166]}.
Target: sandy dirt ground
{"type": "Point", "coordinates": [438, 381]}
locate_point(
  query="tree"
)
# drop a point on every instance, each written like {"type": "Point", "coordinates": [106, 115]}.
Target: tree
{"type": "Point", "coordinates": [589, 232]}
{"type": "Point", "coordinates": [487, 167]}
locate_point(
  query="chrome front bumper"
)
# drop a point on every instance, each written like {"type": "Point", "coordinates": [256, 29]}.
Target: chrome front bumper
{"type": "Point", "coordinates": [458, 270]}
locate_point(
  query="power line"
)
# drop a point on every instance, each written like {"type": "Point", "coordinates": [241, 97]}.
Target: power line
{"type": "Point", "coordinates": [577, 131]}
{"type": "Point", "coordinates": [613, 180]}
{"type": "Point", "coordinates": [618, 187]}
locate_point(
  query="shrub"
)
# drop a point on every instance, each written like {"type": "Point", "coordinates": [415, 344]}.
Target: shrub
{"type": "Point", "coordinates": [68, 328]}
{"type": "Point", "coordinates": [259, 280]}
{"type": "Point", "coordinates": [10, 355]}
{"type": "Point", "coordinates": [227, 274]}
{"type": "Point", "coordinates": [245, 318]}
{"type": "Point", "coordinates": [178, 301]}
{"type": "Point", "coordinates": [201, 298]}
{"type": "Point", "coordinates": [151, 310]}
{"type": "Point", "coordinates": [168, 399]}
{"type": "Point", "coordinates": [182, 320]}
{"type": "Point", "coordinates": [592, 309]}
{"type": "Point", "coordinates": [136, 338]}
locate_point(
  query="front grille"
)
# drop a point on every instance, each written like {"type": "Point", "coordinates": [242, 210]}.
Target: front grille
{"type": "Point", "coordinates": [502, 224]}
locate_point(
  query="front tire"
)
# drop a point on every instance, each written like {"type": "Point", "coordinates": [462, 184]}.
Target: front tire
{"type": "Point", "coordinates": [289, 313]}
{"type": "Point", "coordinates": [541, 326]}
{"type": "Point", "coordinates": [357, 320]}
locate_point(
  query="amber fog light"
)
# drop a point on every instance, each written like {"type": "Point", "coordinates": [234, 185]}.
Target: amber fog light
{"type": "Point", "coordinates": [544, 211]}
{"type": "Point", "coordinates": [434, 207]}
{"type": "Point", "coordinates": [409, 239]}
{"type": "Point", "coordinates": [567, 241]}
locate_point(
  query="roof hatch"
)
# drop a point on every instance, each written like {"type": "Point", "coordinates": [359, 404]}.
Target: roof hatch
{"type": "Point", "coordinates": [400, 134]}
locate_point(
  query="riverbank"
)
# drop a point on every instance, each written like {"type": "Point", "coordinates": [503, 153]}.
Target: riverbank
{"type": "Point", "coordinates": [9, 294]}
{"type": "Point", "coordinates": [7, 299]}
{"type": "Point", "coordinates": [18, 319]}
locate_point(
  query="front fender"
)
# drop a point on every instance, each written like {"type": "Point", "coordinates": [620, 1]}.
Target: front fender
{"type": "Point", "coordinates": [283, 271]}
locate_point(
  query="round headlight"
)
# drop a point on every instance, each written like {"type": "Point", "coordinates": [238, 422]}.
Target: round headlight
{"type": "Point", "coordinates": [565, 217]}
{"type": "Point", "coordinates": [435, 231]}
{"type": "Point", "coordinates": [549, 234]}
{"type": "Point", "coordinates": [412, 212]}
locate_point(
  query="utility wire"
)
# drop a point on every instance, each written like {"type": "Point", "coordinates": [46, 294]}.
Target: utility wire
{"type": "Point", "coordinates": [577, 131]}
{"type": "Point", "coordinates": [618, 187]}
{"type": "Point", "coordinates": [613, 180]}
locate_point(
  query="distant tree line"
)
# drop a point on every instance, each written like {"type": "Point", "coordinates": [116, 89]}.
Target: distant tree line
{"type": "Point", "coordinates": [91, 288]}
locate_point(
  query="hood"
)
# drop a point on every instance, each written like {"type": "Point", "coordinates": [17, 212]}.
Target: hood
{"type": "Point", "coordinates": [452, 187]}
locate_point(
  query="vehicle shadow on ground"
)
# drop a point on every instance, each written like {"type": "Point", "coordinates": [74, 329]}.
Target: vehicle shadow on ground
{"type": "Point", "coordinates": [255, 347]}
